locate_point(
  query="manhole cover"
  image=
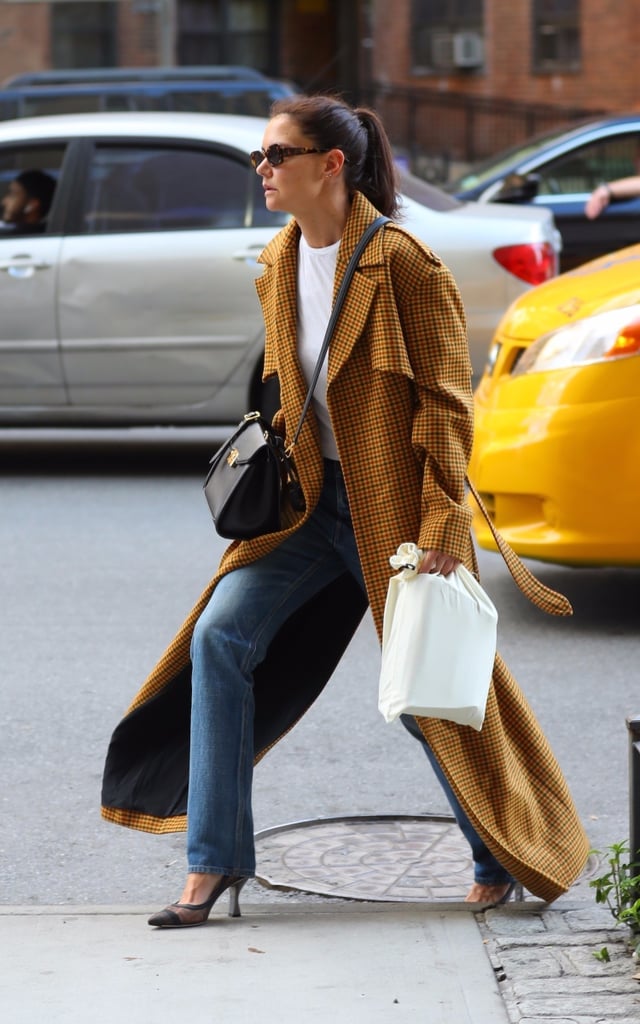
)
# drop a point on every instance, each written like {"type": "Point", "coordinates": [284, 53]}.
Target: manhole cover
{"type": "Point", "coordinates": [378, 858]}
{"type": "Point", "coordinates": [368, 858]}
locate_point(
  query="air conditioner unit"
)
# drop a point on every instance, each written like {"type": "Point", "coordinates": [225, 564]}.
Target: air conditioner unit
{"type": "Point", "coordinates": [468, 50]}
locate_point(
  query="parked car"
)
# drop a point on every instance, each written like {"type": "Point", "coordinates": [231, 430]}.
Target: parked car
{"type": "Point", "coordinates": [559, 171]}
{"type": "Point", "coordinates": [207, 90]}
{"type": "Point", "coordinates": [557, 445]}
{"type": "Point", "coordinates": [137, 304]}
{"type": "Point", "coordinates": [161, 73]}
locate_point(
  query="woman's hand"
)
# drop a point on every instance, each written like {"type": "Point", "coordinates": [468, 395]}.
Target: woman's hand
{"type": "Point", "coordinates": [438, 562]}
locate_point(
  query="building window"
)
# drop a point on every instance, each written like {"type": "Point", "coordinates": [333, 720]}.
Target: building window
{"type": "Point", "coordinates": [226, 32]}
{"type": "Point", "coordinates": [84, 35]}
{"type": "Point", "coordinates": [556, 35]}
{"type": "Point", "coordinates": [447, 36]}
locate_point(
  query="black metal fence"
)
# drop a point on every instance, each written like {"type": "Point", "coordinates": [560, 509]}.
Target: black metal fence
{"type": "Point", "coordinates": [439, 129]}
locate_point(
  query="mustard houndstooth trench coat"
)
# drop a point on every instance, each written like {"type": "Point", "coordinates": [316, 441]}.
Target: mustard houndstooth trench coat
{"type": "Point", "coordinates": [401, 408]}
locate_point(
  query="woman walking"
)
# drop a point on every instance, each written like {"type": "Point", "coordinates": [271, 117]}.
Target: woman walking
{"type": "Point", "coordinates": [381, 460]}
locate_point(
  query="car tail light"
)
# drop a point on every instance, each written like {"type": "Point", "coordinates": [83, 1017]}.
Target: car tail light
{"type": "Point", "coordinates": [534, 263]}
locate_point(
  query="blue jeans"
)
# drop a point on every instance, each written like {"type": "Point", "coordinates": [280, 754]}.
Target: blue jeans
{"type": "Point", "coordinates": [486, 869]}
{"type": "Point", "coordinates": [232, 637]}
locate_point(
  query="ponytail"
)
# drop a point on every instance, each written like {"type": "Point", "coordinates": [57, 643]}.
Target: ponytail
{"type": "Point", "coordinates": [378, 179]}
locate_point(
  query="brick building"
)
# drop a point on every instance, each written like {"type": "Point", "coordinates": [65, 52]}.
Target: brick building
{"type": "Point", "coordinates": [456, 79]}
{"type": "Point", "coordinates": [473, 76]}
{"type": "Point", "coordinates": [303, 40]}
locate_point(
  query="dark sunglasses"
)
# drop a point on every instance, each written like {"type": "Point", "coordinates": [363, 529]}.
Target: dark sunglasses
{"type": "Point", "coordinates": [275, 154]}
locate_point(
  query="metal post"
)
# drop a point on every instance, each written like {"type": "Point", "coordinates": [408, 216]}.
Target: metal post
{"type": "Point", "coordinates": [166, 15]}
{"type": "Point", "coordinates": [633, 725]}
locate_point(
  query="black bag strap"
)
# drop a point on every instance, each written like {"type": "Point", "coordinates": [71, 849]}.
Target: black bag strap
{"type": "Point", "coordinates": [335, 313]}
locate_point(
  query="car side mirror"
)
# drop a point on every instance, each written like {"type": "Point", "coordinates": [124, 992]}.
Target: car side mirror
{"type": "Point", "coordinates": [518, 188]}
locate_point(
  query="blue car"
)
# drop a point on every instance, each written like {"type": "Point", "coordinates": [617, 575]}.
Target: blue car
{"type": "Point", "coordinates": [210, 89]}
{"type": "Point", "coordinates": [559, 170]}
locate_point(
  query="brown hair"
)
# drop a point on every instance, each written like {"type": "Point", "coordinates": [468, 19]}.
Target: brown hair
{"type": "Point", "coordinates": [358, 132]}
{"type": "Point", "coordinates": [38, 185]}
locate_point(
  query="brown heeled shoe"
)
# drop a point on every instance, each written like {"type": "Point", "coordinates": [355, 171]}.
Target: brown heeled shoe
{"type": "Point", "coordinates": [494, 895]}
{"type": "Point", "coordinates": [188, 915]}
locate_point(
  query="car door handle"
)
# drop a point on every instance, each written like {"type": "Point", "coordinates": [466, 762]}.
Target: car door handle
{"type": "Point", "coordinates": [23, 265]}
{"type": "Point", "coordinates": [249, 254]}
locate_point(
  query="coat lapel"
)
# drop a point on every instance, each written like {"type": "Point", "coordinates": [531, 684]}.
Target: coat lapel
{"type": "Point", "coordinates": [276, 289]}
{"type": "Point", "coordinates": [277, 293]}
{"type": "Point", "coordinates": [359, 298]}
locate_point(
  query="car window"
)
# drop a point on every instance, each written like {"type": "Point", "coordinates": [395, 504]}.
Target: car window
{"type": "Point", "coordinates": [42, 105]}
{"type": "Point", "coordinates": [232, 99]}
{"type": "Point", "coordinates": [9, 107]}
{"type": "Point", "coordinates": [164, 188]}
{"type": "Point", "coordinates": [16, 160]}
{"type": "Point", "coordinates": [489, 168]}
{"type": "Point", "coordinates": [585, 168]}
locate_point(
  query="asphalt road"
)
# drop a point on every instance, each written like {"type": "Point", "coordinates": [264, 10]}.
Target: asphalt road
{"type": "Point", "coordinates": [105, 543]}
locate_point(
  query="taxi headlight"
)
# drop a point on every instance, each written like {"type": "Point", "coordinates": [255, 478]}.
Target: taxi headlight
{"type": "Point", "coordinates": [492, 357]}
{"type": "Point", "coordinates": [597, 338]}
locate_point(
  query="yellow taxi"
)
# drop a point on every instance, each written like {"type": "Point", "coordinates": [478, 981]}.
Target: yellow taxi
{"type": "Point", "coordinates": [556, 457]}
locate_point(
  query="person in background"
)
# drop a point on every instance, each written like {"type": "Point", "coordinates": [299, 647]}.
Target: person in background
{"type": "Point", "coordinates": [27, 201]}
{"type": "Point", "coordinates": [611, 192]}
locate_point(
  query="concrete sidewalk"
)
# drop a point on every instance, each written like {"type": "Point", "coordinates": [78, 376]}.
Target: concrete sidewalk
{"type": "Point", "coordinates": [351, 921]}
{"type": "Point", "coordinates": [278, 963]}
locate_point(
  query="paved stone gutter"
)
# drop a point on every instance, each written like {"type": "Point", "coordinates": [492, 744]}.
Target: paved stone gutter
{"type": "Point", "coordinates": [547, 973]}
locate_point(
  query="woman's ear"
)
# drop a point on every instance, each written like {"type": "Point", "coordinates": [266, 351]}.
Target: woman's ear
{"type": "Point", "coordinates": [334, 162]}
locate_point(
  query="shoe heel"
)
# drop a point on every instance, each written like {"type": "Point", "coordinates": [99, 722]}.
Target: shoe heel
{"type": "Point", "coordinates": [234, 898]}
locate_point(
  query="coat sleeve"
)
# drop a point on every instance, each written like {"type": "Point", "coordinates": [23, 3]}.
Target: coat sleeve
{"type": "Point", "coordinates": [434, 326]}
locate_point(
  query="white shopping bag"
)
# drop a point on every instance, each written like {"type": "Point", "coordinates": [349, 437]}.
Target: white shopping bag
{"type": "Point", "coordinates": [438, 644]}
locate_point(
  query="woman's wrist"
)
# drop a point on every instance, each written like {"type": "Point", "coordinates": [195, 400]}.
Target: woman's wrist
{"type": "Point", "coordinates": [606, 188]}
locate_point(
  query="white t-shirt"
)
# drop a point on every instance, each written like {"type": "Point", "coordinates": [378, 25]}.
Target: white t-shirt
{"type": "Point", "coordinates": [316, 271]}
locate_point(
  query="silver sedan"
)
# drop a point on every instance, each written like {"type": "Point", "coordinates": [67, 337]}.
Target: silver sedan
{"type": "Point", "coordinates": [134, 301]}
